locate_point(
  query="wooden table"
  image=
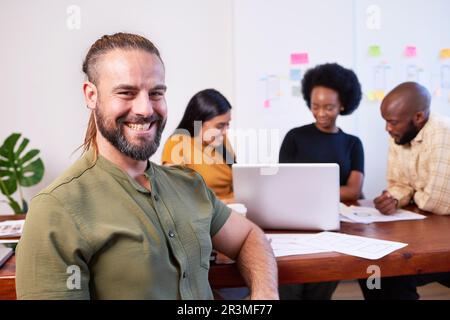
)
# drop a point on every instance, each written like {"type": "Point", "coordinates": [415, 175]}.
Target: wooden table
{"type": "Point", "coordinates": [428, 251]}
{"type": "Point", "coordinates": [8, 270]}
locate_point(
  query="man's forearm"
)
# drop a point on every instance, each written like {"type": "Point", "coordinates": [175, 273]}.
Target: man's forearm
{"type": "Point", "coordinates": [258, 266]}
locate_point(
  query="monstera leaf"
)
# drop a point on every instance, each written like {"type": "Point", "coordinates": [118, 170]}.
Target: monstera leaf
{"type": "Point", "coordinates": [18, 169]}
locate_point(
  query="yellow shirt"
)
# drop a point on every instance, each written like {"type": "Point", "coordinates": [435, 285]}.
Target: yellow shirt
{"type": "Point", "coordinates": [184, 150]}
{"type": "Point", "coordinates": [421, 169]}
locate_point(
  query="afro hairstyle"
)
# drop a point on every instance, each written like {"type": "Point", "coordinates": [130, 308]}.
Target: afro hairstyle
{"type": "Point", "coordinates": [333, 76]}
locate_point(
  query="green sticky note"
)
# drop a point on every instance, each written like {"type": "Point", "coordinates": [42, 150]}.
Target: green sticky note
{"type": "Point", "coordinates": [374, 51]}
{"type": "Point", "coordinates": [371, 95]}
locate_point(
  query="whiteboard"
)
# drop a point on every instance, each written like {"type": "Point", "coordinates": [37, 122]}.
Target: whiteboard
{"type": "Point", "coordinates": [384, 42]}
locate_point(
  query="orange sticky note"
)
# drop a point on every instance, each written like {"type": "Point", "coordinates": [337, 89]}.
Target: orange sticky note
{"type": "Point", "coordinates": [299, 58]}
{"type": "Point", "coordinates": [410, 51]}
{"type": "Point", "coordinates": [445, 53]}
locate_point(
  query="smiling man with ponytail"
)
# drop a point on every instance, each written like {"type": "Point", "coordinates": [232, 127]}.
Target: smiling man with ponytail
{"type": "Point", "coordinates": [118, 226]}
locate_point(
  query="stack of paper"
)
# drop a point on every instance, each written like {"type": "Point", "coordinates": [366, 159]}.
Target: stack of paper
{"type": "Point", "coordinates": [355, 214]}
{"type": "Point", "coordinates": [288, 244]}
{"type": "Point", "coordinates": [11, 228]}
{"type": "Point", "coordinates": [363, 247]}
{"type": "Point", "coordinates": [368, 248]}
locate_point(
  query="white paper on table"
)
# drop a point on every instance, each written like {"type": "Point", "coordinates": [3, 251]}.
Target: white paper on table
{"type": "Point", "coordinates": [8, 241]}
{"type": "Point", "coordinates": [363, 247]}
{"type": "Point", "coordinates": [11, 228]}
{"type": "Point", "coordinates": [288, 244]}
{"type": "Point", "coordinates": [367, 215]}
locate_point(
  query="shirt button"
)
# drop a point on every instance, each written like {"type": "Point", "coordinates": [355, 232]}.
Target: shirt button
{"type": "Point", "coordinates": [184, 275]}
{"type": "Point", "coordinates": [171, 234]}
{"type": "Point", "coordinates": [156, 197]}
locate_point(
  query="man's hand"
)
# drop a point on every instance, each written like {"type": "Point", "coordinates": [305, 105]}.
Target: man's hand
{"type": "Point", "coordinates": [385, 203]}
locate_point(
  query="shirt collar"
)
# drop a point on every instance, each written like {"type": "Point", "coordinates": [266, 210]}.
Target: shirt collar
{"type": "Point", "coordinates": [419, 137]}
{"type": "Point", "coordinates": [111, 168]}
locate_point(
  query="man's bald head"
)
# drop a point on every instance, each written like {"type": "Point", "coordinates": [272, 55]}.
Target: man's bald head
{"type": "Point", "coordinates": [406, 110]}
{"type": "Point", "coordinates": [410, 96]}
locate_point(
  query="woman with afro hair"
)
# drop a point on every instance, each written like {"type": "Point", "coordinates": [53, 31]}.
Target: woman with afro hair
{"type": "Point", "coordinates": [329, 90]}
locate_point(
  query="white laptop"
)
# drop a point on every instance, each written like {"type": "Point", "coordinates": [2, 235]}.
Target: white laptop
{"type": "Point", "coordinates": [298, 196]}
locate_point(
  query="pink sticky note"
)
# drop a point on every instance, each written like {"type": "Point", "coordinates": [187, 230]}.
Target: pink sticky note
{"type": "Point", "coordinates": [299, 58]}
{"type": "Point", "coordinates": [267, 103]}
{"type": "Point", "coordinates": [410, 51]}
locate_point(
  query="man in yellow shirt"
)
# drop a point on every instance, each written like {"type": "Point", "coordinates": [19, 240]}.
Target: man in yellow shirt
{"type": "Point", "coordinates": [419, 152]}
{"type": "Point", "coordinates": [418, 171]}
{"type": "Point", "coordinates": [117, 226]}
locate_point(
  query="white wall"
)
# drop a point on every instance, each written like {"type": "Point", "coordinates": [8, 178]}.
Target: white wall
{"type": "Point", "coordinates": [204, 43]}
{"type": "Point", "coordinates": [267, 32]}
{"type": "Point", "coordinates": [40, 64]}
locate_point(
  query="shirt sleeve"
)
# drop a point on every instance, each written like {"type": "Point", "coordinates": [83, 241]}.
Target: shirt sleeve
{"type": "Point", "coordinates": [398, 182]}
{"type": "Point", "coordinates": [435, 196]}
{"type": "Point", "coordinates": [288, 149]}
{"type": "Point", "coordinates": [221, 213]}
{"type": "Point", "coordinates": [52, 256]}
{"type": "Point", "coordinates": [357, 156]}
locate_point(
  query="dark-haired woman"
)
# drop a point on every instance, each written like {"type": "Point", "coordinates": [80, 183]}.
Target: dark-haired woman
{"type": "Point", "coordinates": [329, 91]}
{"type": "Point", "coordinates": [200, 142]}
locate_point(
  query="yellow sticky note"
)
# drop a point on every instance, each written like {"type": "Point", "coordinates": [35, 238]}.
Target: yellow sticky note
{"type": "Point", "coordinates": [374, 51]}
{"type": "Point", "coordinates": [379, 95]}
{"type": "Point", "coordinates": [445, 53]}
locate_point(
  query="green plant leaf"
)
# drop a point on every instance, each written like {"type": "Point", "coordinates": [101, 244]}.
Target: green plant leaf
{"type": "Point", "coordinates": [8, 186]}
{"type": "Point", "coordinates": [9, 145]}
{"type": "Point", "coordinates": [15, 170]}
{"type": "Point", "coordinates": [22, 146]}
{"type": "Point", "coordinates": [32, 173]}
{"type": "Point", "coordinates": [14, 205]}
{"type": "Point", "coordinates": [28, 156]}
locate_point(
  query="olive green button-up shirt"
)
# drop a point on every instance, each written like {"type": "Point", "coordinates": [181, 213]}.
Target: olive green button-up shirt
{"type": "Point", "coordinates": [95, 233]}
